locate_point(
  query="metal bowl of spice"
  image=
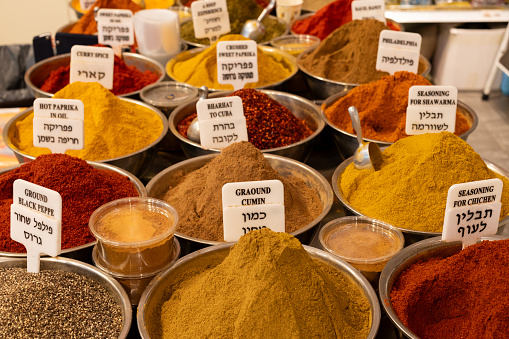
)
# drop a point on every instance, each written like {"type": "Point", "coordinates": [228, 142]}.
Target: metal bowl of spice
{"type": "Point", "coordinates": [439, 277]}
{"type": "Point", "coordinates": [81, 252]}
{"type": "Point", "coordinates": [301, 108]}
{"type": "Point", "coordinates": [347, 142]}
{"type": "Point", "coordinates": [73, 298]}
{"type": "Point", "coordinates": [173, 175]}
{"type": "Point", "coordinates": [322, 88]}
{"type": "Point", "coordinates": [411, 235]}
{"type": "Point", "coordinates": [39, 73]}
{"type": "Point", "coordinates": [160, 290]}
{"type": "Point", "coordinates": [135, 162]}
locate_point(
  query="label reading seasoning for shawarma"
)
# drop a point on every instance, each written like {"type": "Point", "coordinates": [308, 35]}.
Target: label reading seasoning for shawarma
{"type": "Point", "coordinates": [115, 27]}
{"type": "Point", "coordinates": [368, 9]}
{"type": "Point", "coordinates": [398, 51]}
{"type": "Point", "coordinates": [431, 109]}
{"type": "Point", "coordinates": [92, 64]}
{"type": "Point", "coordinates": [36, 216]}
{"type": "Point", "coordinates": [221, 122]}
{"type": "Point", "coordinates": [252, 205]}
{"type": "Point", "coordinates": [472, 211]}
{"type": "Point", "coordinates": [59, 124]}
{"type": "Point", "coordinates": [86, 4]}
{"type": "Point", "coordinates": [237, 63]}
{"type": "Point", "coordinates": [210, 19]}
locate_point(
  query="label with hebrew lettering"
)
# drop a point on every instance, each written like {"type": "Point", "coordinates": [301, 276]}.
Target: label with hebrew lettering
{"type": "Point", "coordinates": [221, 121]}
{"type": "Point", "coordinates": [86, 4]}
{"type": "Point", "coordinates": [115, 27]}
{"type": "Point", "coordinates": [252, 205]}
{"type": "Point", "coordinates": [237, 63]}
{"type": "Point", "coordinates": [36, 215]}
{"type": "Point", "coordinates": [398, 51]}
{"type": "Point", "coordinates": [59, 124]}
{"type": "Point", "coordinates": [431, 109]}
{"type": "Point", "coordinates": [92, 64]}
{"type": "Point", "coordinates": [210, 19]}
{"type": "Point", "coordinates": [472, 211]}
{"type": "Point", "coordinates": [368, 9]}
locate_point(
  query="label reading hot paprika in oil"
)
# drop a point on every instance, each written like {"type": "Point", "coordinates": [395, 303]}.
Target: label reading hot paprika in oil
{"type": "Point", "coordinates": [252, 205]}
{"type": "Point", "coordinates": [36, 216]}
{"type": "Point", "coordinates": [59, 124]}
{"type": "Point", "coordinates": [431, 109]}
{"type": "Point", "coordinates": [398, 51]}
{"type": "Point", "coordinates": [368, 9]}
{"type": "Point", "coordinates": [237, 63]}
{"type": "Point", "coordinates": [210, 19]}
{"type": "Point", "coordinates": [221, 122]}
{"type": "Point", "coordinates": [92, 64]}
{"type": "Point", "coordinates": [472, 211]}
{"type": "Point", "coordinates": [115, 27]}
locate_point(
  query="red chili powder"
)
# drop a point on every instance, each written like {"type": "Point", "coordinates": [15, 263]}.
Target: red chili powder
{"type": "Point", "coordinates": [126, 79]}
{"type": "Point", "coordinates": [462, 296]}
{"type": "Point", "coordinates": [82, 187]}
{"type": "Point", "coordinates": [269, 124]}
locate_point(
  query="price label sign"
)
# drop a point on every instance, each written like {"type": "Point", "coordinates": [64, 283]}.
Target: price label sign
{"type": "Point", "coordinates": [237, 63]}
{"type": "Point", "coordinates": [431, 109]}
{"type": "Point", "coordinates": [92, 64]}
{"type": "Point", "coordinates": [36, 215]}
{"type": "Point", "coordinates": [472, 211]}
{"type": "Point", "coordinates": [221, 121]}
{"type": "Point", "coordinates": [368, 9]}
{"type": "Point", "coordinates": [398, 51]}
{"type": "Point", "coordinates": [59, 124]}
{"type": "Point", "coordinates": [210, 19]}
{"type": "Point", "coordinates": [252, 205]}
{"type": "Point", "coordinates": [86, 4]}
{"type": "Point", "coordinates": [115, 27]}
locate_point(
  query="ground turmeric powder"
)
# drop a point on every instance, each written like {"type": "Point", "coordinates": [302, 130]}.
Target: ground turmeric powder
{"type": "Point", "coordinates": [113, 127]}
{"type": "Point", "coordinates": [410, 190]}
{"type": "Point", "coordinates": [201, 69]}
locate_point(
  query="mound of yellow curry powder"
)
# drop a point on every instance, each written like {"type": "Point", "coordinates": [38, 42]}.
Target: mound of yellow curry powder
{"type": "Point", "coordinates": [267, 287]}
{"type": "Point", "coordinates": [200, 69]}
{"type": "Point", "coordinates": [410, 190]}
{"type": "Point", "coordinates": [113, 127]}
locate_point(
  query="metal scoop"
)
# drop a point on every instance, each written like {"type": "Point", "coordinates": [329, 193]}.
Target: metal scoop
{"type": "Point", "coordinates": [367, 155]}
{"type": "Point", "coordinates": [193, 131]}
{"type": "Point", "coordinates": [253, 29]}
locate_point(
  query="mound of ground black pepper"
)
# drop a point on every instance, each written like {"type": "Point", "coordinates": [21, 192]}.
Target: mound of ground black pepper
{"type": "Point", "coordinates": [55, 304]}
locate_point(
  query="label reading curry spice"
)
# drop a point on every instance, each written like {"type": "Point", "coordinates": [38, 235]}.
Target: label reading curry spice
{"type": "Point", "coordinates": [92, 64]}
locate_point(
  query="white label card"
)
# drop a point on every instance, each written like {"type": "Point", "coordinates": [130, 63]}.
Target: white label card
{"type": "Point", "coordinates": [237, 62]}
{"type": "Point", "coordinates": [210, 19]}
{"type": "Point", "coordinates": [92, 64]}
{"type": "Point", "coordinates": [398, 51]}
{"type": "Point", "coordinates": [368, 9]}
{"type": "Point", "coordinates": [472, 211]}
{"type": "Point", "coordinates": [36, 216]}
{"type": "Point", "coordinates": [59, 124]}
{"type": "Point", "coordinates": [221, 122]}
{"type": "Point", "coordinates": [115, 27]}
{"type": "Point", "coordinates": [431, 109]}
{"type": "Point", "coordinates": [86, 4]}
{"type": "Point", "coordinates": [252, 205]}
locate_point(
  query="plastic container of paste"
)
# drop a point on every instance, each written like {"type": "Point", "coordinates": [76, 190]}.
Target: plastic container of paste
{"type": "Point", "coordinates": [134, 235]}
{"type": "Point", "coordinates": [366, 244]}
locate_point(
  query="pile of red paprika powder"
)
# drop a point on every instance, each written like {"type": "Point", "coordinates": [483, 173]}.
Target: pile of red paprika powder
{"type": "Point", "coordinates": [269, 124]}
{"type": "Point", "coordinates": [126, 79]}
{"type": "Point", "coordinates": [82, 188]}
{"type": "Point", "coordinates": [328, 19]}
{"type": "Point", "coordinates": [463, 296]}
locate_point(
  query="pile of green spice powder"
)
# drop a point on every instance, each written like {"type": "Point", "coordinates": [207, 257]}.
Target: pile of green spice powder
{"type": "Point", "coordinates": [55, 304]}
{"type": "Point", "coordinates": [240, 11]}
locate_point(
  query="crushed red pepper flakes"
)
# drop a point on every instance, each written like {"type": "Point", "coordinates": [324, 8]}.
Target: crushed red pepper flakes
{"type": "Point", "coordinates": [269, 124]}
